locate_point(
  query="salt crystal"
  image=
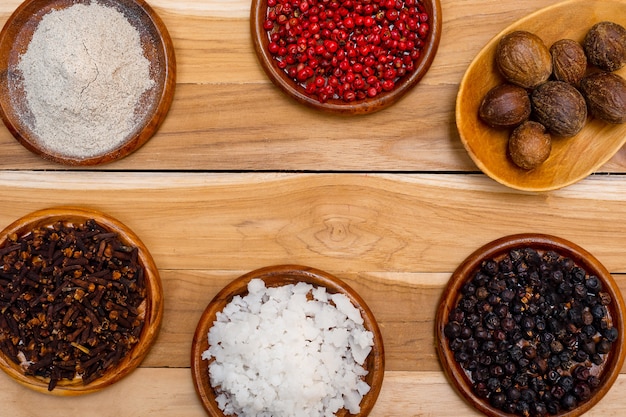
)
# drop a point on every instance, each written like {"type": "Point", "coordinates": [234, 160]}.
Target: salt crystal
{"type": "Point", "coordinates": [278, 353]}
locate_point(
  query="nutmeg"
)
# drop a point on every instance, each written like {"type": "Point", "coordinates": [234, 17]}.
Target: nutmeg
{"type": "Point", "coordinates": [605, 93]}
{"type": "Point", "coordinates": [505, 105]}
{"type": "Point", "coordinates": [569, 62]}
{"type": "Point", "coordinates": [523, 59]}
{"type": "Point", "coordinates": [605, 45]}
{"type": "Point", "coordinates": [560, 107]}
{"type": "Point", "coordinates": [529, 145]}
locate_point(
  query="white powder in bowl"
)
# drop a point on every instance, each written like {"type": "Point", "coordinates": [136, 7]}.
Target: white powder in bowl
{"type": "Point", "coordinates": [293, 350]}
{"type": "Point", "coordinates": [84, 73]}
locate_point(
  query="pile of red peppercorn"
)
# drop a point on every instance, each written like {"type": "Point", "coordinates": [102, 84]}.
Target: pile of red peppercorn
{"type": "Point", "coordinates": [346, 49]}
{"type": "Point", "coordinates": [532, 331]}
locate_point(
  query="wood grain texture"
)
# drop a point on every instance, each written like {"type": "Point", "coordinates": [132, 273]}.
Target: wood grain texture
{"type": "Point", "coordinates": [390, 237]}
{"type": "Point", "coordinates": [212, 197]}
{"type": "Point", "coordinates": [217, 123]}
{"type": "Point", "coordinates": [404, 394]}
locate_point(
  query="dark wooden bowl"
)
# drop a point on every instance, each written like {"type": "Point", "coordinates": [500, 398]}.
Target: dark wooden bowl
{"type": "Point", "coordinates": [571, 159]}
{"type": "Point", "coordinates": [381, 101]}
{"type": "Point", "coordinates": [275, 276]}
{"type": "Point", "coordinates": [152, 314]}
{"type": "Point", "coordinates": [496, 250]}
{"type": "Point", "coordinates": [155, 103]}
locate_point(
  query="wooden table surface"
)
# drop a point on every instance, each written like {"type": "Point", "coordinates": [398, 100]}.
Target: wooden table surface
{"type": "Point", "coordinates": [240, 177]}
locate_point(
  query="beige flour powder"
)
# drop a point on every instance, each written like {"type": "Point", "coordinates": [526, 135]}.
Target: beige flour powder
{"type": "Point", "coordinates": [83, 74]}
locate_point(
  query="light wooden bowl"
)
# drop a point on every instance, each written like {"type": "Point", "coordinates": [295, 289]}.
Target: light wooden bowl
{"type": "Point", "coordinates": [497, 249]}
{"type": "Point", "coordinates": [152, 314]}
{"type": "Point", "coordinates": [381, 101]}
{"type": "Point", "coordinates": [155, 103]}
{"type": "Point", "coordinates": [572, 159]}
{"type": "Point", "coordinates": [275, 276]}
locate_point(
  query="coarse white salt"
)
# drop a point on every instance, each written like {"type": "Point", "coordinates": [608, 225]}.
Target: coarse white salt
{"type": "Point", "coordinates": [292, 350]}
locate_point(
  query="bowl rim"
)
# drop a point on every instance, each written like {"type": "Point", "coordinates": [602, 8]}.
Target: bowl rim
{"type": "Point", "coordinates": [380, 102]}
{"type": "Point", "coordinates": [499, 247]}
{"type": "Point", "coordinates": [154, 300]}
{"type": "Point", "coordinates": [277, 275]}
{"type": "Point", "coordinates": [30, 11]}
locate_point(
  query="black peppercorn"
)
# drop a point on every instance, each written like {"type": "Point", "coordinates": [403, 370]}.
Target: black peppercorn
{"type": "Point", "coordinates": [553, 376]}
{"type": "Point", "coordinates": [604, 346]}
{"type": "Point", "coordinates": [593, 284]}
{"type": "Point", "coordinates": [611, 334]}
{"type": "Point", "coordinates": [481, 390]}
{"type": "Point", "coordinates": [530, 326]}
{"type": "Point", "coordinates": [598, 311]}
{"type": "Point", "coordinates": [492, 321]}
{"type": "Point", "coordinates": [553, 407]}
{"type": "Point", "coordinates": [493, 384]}
{"type": "Point", "coordinates": [452, 330]}
{"type": "Point", "coordinates": [538, 409]}
{"type": "Point", "coordinates": [498, 399]}
{"type": "Point", "coordinates": [522, 408]}
{"type": "Point", "coordinates": [582, 391]}
{"type": "Point", "coordinates": [510, 368]}
{"type": "Point", "coordinates": [566, 382]}
{"type": "Point", "coordinates": [569, 402]}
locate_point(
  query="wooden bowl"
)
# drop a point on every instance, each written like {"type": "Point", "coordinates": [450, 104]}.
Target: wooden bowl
{"type": "Point", "coordinates": [152, 311]}
{"type": "Point", "coordinates": [379, 102]}
{"type": "Point", "coordinates": [150, 111]}
{"type": "Point", "coordinates": [572, 159]}
{"type": "Point", "coordinates": [497, 249]}
{"type": "Point", "coordinates": [275, 276]}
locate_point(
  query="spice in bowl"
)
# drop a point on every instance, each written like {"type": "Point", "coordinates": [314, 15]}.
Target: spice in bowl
{"type": "Point", "coordinates": [294, 349]}
{"type": "Point", "coordinates": [83, 74]}
{"type": "Point", "coordinates": [72, 301]}
{"type": "Point", "coordinates": [531, 329]}
{"type": "Point", "coordinates": [346, 50]}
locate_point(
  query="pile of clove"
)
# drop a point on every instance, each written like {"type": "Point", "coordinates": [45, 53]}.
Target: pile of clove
{"type": "Point", "coordinates": [71, 301]}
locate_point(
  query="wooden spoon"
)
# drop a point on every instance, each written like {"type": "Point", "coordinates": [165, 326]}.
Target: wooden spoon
{"type": "Point", "coordinates": [571, 159]}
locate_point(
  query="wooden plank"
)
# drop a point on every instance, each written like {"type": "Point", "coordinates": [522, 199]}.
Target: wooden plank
{"type": "Point", "coordinates": [395, 237]}
{"type": "Point", "coordinates": [404, 305]}
{"type": "Point", "coordinates": [144, 393]}
{"type": "Point", "coordinates": [351, 222]}
{"type": "Point", "coordinates": [407, 323]}
{"type": "Point", "coordinates": [216, 122]}
{"type": "Point", "coordinates": [392, 237]}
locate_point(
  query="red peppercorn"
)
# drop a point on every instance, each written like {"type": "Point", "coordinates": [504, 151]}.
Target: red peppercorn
{"type": "Point", "coordinates": [346, 49]}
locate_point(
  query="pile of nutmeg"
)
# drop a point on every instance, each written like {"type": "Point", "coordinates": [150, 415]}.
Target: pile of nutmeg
{"type": "Point", "coordinates": [548, 92]}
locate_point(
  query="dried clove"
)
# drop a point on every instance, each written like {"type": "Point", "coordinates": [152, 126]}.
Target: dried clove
{"type": "Point", "coordinates": [70, 297]}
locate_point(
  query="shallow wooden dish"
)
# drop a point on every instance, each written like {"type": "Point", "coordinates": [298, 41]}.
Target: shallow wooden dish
{"type": "Point", "coordinates": [153, 309]}
{"type": "Point", "coordinates": [572, 159]}
{"type": "Point", "coordinates": [152, 108]}
{"type": "Point", "coordinates": [497, 249]}
{"type": "Point", "coordinates": [275, 276]}
{"type": "Point", "coordinates": [381, 101]}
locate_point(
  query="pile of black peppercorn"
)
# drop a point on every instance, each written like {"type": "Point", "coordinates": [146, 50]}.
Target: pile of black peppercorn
{"type": "Point", "coordinates": [532, 330]}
